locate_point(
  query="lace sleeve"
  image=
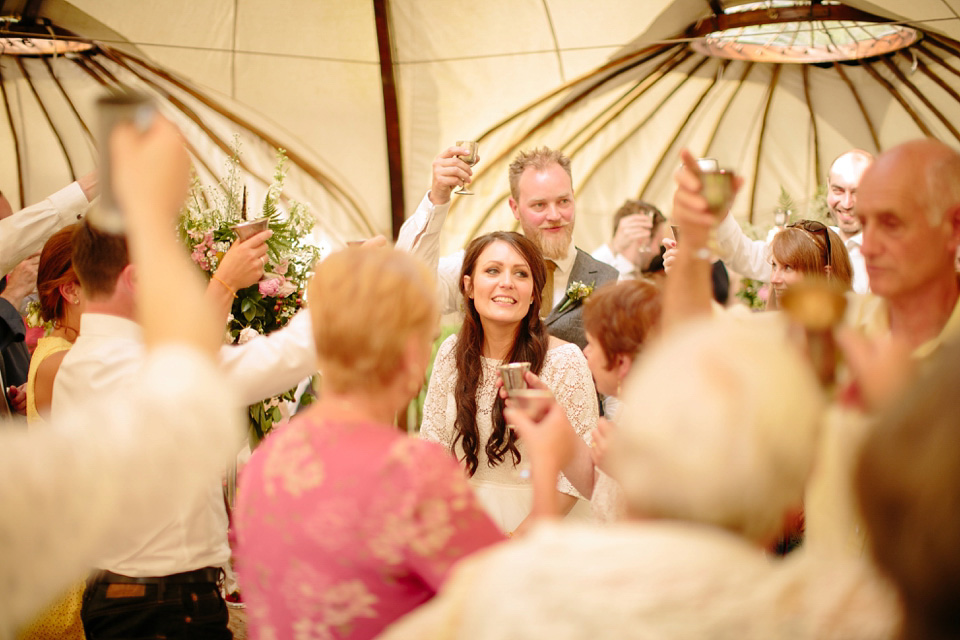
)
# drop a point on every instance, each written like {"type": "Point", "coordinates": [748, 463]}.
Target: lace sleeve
{"type": "Point", "coordinates": [569, 378]}
{"type": "Point", "coordinates": [437, 426]}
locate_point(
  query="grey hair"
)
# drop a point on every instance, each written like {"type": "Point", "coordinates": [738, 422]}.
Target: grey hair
{"type": "Point", "coordinates": [719, 426]}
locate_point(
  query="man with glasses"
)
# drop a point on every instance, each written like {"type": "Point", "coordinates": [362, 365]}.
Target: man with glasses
{"type": "Point", "coordinates": [751, 258]}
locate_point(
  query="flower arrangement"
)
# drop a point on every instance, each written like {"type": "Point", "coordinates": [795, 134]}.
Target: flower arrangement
{"type": "Point", "coordinates": [576, 292]}
{"type": "Point", "coordinates": [204, 226]}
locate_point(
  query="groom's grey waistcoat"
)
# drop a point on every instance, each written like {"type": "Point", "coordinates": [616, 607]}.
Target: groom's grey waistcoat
{"type": "Point", "coordinates": [568, 325]}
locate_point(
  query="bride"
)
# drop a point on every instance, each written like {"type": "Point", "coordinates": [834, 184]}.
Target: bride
{"type": "Point", "coordinates": [501, 282]}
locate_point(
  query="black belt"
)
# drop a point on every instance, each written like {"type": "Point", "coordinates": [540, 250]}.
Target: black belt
{"type": "Point", "coordinates": [197, 576]}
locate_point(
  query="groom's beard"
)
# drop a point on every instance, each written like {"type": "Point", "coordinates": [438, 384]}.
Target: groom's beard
{"type": "Point", "coordinates": [553, 245]}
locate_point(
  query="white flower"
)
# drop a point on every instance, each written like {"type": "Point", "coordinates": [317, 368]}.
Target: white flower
{"type": "Point", "coordinates": [246, 335]}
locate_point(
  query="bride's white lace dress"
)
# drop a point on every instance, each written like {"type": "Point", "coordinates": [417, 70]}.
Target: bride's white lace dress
{"type": "Point", "coordinates": [505, 495]}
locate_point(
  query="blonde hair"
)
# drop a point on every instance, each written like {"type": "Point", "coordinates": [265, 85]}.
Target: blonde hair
{"type": "Point", "coordinates": [365, 304]}
{"type": "Point", "coordinates": [719, 426]}
{"type": "Point", "coordinates": [540, 159]}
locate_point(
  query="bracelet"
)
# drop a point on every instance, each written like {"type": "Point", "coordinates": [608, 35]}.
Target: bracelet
{"type": "Point", "coordinates": [213, 276]}
{"type": "Point", "coordinates": [702, 253]}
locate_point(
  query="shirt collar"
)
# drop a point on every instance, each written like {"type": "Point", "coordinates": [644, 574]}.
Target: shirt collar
{"type": "Point", "coordinates": [565, 264]}
{"type": "Point", "coordinates": [109, 326]}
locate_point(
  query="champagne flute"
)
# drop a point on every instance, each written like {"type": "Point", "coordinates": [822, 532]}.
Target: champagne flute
{"type": "Point", "coordinates": [471, 159]}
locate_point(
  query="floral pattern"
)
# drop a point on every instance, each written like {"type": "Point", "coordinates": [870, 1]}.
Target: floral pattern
{"type": "Point", "coordinates": [342, 528]}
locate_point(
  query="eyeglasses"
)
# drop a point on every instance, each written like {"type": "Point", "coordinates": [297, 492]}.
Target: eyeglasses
{"type": "Point", "coordinates": [814, 227]}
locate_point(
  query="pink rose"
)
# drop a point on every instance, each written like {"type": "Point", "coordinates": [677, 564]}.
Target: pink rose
{"type": "Point", "coordinates": [286, 289]}
{"type": "Point", "coordinates": [271, 287]}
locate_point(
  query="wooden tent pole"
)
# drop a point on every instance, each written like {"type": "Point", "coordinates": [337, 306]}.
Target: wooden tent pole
{"type": "Point", "coordinates": [863, 108]}
{"type": "Point", "coordinates": [763, 129]}
{"type": "Point", "coordinates": [391, 115]}
{"type": "Point", "coordinates": [813, 122]}
{"type": "Point", "coordinates": [13, 134]}
{"type": "Point", "coordinates": [929, 105]}
{"type": "Point", "coordinates": [899, 98]}
{"type": "Point", "coordinates": [46, 115]}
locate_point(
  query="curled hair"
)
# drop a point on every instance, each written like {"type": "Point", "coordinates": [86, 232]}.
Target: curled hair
{"type": "Point", "coordinates": [539, 159]}
{"type": "Point", "coordinates": [365, 346]}
{"type": "Point", "coordinates": [98, 259]}
{"type": "Point", "coordinates": [55, 269]}
{"type": "Point", "coordinates": [622, 316]}
{"type": "Point", "coordinates": [529, 345]}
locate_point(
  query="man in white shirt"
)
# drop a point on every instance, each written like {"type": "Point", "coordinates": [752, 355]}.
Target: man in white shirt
{"type": "Point", "coordinates": [541, 187]}
{"type": "Point", "coordinates": [23, 233]}
{"type": "Point", "coordinates": [175, 548]}
{"type": "Point", "coordinates": [638, 228]}
{"type": "Point", "coordinates": [751, 258]}
{"type": "Point", "coordinates": [70, 491]}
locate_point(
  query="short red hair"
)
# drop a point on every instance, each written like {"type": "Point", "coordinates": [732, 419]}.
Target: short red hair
{"type": "Point", "coordinates": [622, 316]}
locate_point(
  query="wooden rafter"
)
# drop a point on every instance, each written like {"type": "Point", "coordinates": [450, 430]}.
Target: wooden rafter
{"type": "Point", "coordinates": [46, 115]}
{"type": "Point", "coordinates": [683, 125]}
{"type": "Point", "coordinates": [863, 108]}
{"type": "Point", "coordinates": [899, 98]}
{"type": "Point", "coordinates": [763, 129]}
{"type": "Point", "coordinates": [813, 121]}
{"type": "Point", "coordinates": [920, 96]}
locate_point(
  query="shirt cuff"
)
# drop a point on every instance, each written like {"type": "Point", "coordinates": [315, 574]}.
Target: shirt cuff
{"type": "Point", "coordinates": [70, 202]}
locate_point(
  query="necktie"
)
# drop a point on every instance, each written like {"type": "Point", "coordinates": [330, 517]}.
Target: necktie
{"type": "Point", "coordinates": [547, 304]}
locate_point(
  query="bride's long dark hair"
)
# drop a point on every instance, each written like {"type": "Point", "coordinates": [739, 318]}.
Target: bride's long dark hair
{"type": "Point", "coordinates": [529, 345]}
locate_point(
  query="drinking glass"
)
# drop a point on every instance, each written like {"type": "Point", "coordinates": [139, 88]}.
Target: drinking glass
{"type": "Point", "coordinates": [535, 403]}
{"type": "Point", "coordinates": [512, 375]}
{"type": "Point", "coordinates": [470, 159]}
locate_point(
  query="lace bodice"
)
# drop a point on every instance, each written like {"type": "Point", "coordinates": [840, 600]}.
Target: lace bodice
{"type": "Point", "coordinates": [564, 371]}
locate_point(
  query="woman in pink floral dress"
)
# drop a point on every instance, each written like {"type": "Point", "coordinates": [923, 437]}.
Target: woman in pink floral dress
{"type": "Point", "coordinates": [344, 523]}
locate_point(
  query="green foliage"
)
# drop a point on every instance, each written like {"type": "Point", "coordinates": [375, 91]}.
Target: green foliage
{"type": "Point", "coordinates": [205, 227]}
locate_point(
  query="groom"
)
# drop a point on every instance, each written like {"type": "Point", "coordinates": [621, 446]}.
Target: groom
{"type": "Point", "coordinates": [541, 198]}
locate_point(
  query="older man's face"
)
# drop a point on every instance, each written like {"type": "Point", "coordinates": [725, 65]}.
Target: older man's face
{"type": "Point", "coordinates": [843, 183]}
{"type": "Point", "coordinates": [904, 251]}
{"type": "Point", "coordinates": [545, 209]}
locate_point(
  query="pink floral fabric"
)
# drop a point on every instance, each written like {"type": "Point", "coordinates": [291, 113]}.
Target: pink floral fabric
{"type": "Point", "coordinates": [342, 528]}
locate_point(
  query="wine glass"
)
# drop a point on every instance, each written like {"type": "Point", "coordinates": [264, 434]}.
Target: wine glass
{"type": "Point", "coordinates": [471, 159]}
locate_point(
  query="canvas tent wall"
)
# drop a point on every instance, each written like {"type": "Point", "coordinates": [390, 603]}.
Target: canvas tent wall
{"type": "Point", "coordinates": [307, 75]}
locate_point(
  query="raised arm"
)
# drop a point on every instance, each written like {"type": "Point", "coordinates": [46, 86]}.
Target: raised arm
{"type": "Point", "coordinates": [749, 258]}
{"type": "Point", "coordinates": [24, 233]}
{"type": "Point", "coordinates": [420, 234]}
{"type": "Point", "coordinates": [90, 474]}
{"type": "Point", "coordinates": [688, 292]}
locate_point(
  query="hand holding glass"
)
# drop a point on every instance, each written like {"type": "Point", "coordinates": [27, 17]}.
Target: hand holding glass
{"type": "Point", "coordinates": [471, 159]}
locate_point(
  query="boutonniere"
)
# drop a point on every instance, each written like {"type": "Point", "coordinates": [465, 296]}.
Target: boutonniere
{"type": "Point", "coordinates": [576, 292]}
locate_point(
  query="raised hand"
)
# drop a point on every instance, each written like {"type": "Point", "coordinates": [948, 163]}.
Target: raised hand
{"type": "Point", "coordinates": [449, 172]}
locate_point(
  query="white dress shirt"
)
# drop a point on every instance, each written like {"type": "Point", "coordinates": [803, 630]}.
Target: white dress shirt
{"type": "Point", "coordinates": [190, 534]}
{"type": "Point", "coordinates": [24, 233]}
{"type": "Point", "coordinates": [751, 258]}
{"type": "Point", "coordinates": [74, 489]}
{"type": "Point", "coordinates": [627, 269]}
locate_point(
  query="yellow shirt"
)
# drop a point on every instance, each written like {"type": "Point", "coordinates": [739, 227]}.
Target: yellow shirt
{"type": "Point", "coordinates": [832, 513]}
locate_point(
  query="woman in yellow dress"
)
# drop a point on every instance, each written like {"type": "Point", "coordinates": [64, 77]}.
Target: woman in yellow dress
{"type": "Point", "coordinates": [61, 302]}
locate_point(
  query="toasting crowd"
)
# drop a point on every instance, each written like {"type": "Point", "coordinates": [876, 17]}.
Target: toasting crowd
{"type": "Point", "coordinates": [669, 468]}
